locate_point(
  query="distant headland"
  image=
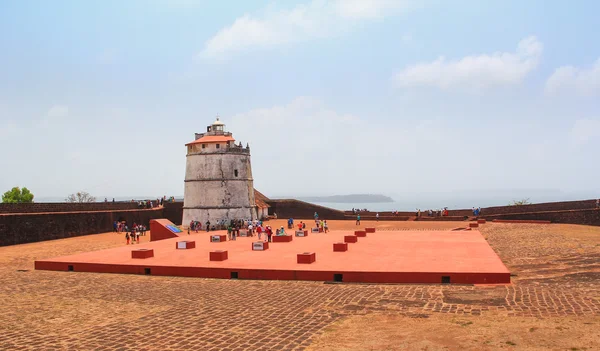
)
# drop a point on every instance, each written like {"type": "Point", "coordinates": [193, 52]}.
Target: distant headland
{"type": "Point", "coordinates": [353, 198]}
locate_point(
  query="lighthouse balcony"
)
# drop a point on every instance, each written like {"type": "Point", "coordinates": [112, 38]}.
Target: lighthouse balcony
{"type": "Point", "coordinates": [223, 149]}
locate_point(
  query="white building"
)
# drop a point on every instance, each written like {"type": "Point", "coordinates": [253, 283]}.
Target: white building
{"type": "Point", "coordinates": [218, 178]}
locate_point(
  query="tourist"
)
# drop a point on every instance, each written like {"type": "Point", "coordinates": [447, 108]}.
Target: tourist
{"type": "Point", "coordinates": [127, 238]}
{"type": "Point", "coordinates": [137, 237]}
{"type": "Point", "coordinates": [269, 233]}
{"type": "Point", "coordinates": [325, 227]}
{"type": "Point", "coordinates": [281, 231]}
{"type": "Point", "coordinates": [377, 216]}
{"type": "Point", "coordinates": [316, 216]}
{"type": "Point", "coordinates": [300, 225]}
{"type": "Point", "coordinates": [259, 231]}
{"type": "Point", "coordinates": [358, 219]}
{"type": "Point", "coordinates": [250, 229]}
{"type": "Point", "coordinates": [208, 226]}
{"type": "Point", "coordinates": [115, 226]}
{"type": "Point", "coordinates": [189, 229]}
{"type": "Point", "coordinates": [303, 226]}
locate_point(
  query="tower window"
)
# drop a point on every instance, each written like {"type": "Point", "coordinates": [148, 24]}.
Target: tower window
{"type": "Point", "coordinates": [235, 172]}
{"type": "Point", "coordinates": [218, 146]}
{"type": "Point", "coordinates": [203, 146]}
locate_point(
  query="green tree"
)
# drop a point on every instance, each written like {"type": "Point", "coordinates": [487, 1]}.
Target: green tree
{"type": "Point", "coordinates": [17, 195]}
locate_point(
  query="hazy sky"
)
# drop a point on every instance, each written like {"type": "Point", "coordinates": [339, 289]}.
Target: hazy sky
{"type": "Point", "coordinates": [350, 96]}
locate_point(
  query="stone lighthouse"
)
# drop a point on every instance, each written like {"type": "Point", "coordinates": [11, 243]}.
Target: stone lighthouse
{"type": "Point", "coordinates": [218, 178]}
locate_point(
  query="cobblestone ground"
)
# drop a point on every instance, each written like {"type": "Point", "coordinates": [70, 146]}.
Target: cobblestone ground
{"type": "Point", "coordinates": [556, 267]}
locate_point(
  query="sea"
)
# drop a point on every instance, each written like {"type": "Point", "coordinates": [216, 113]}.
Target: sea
{"type": "Point", "coordinates": [424, 203]}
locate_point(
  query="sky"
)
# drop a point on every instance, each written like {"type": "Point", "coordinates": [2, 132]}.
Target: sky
{"type": "Point", "coordinates": [333, 97]}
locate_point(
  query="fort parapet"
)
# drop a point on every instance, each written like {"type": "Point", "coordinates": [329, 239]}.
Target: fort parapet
{"type": "Point", "coordinates": [25, 223]}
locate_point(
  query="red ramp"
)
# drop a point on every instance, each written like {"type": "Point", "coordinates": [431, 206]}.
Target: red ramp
{"type": "Point", "coordinates": [161, 229]}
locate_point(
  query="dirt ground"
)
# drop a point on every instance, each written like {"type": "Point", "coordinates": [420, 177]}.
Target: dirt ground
{"type": "Point", "coordinates": [552, 304]}
{"type": "Point", "coordinates": [450, 332]}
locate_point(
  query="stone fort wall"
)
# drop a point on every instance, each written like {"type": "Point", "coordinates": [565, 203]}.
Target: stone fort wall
{"type": "Point", "coordinates": [21, 228]}
{"type": "Point", "coordinates": [40, 207]}
{"type": "Point", "coordinates": [25, 223]}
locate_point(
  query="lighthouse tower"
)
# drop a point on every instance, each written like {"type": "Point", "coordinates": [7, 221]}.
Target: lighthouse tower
{"type": "Point", "coordinates": [218, 178]}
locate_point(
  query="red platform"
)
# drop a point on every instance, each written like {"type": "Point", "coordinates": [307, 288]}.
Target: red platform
{"type": "Point", "coordinates": [281, 238]}
{"type": "Point", "coordinates": [350, 239]}
{"type": "Point", "coordinates": [183, 245]}
{"type": "Point", "coordinates": [218, 238]}
{"type": "Point", "coordinates": [473, 225]}
{"type": "Point", "coordinates": [306, 257]}
{"type": "Point", "coordinates": [360, 233]}
{"type": "Point", "coordinates": [370, 230]}
{"type": "Point", "coordinates": [481, 221]}
{"type": "Point", "coordinates": [340, 247]}
{"type": "Point", "coordinates": [388, 257]}
{"type": "Point", "coordinates": [219, 255]}
{"type": "Point", "coordinates": [142, 253]}
{"type": "Point", "coordinates": [530, 221]}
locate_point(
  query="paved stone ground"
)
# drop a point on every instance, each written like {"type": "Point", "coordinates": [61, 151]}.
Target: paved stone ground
{"type": "Point", "coordinates": [556, 267]}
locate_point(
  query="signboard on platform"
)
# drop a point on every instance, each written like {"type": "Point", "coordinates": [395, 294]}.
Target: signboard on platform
{"type": "Point", "coordinates": [216, 238]}
{"type": "Point", "coordinates": [299, 232]}
{"type": "Point", "coordinates": [173, 228]}
{"type": "Point", "coordinates": [258, 246]}
{"type": "Point", "coordinates": [314, 230]}
{"type": "Point", "coordinates": [181, 245]}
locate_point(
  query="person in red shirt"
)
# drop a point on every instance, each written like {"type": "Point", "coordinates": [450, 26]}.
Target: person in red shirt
{"type": "Point", "coordinates": [259, 231]}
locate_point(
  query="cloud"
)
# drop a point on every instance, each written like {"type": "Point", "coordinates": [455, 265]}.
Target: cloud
{"type": "Point", "coordinates": [58, 111]}
{"type": "Point", "coordinates": [107, 57]}
{"type": "Point", "coordinates": [585, 130]}
{"type": "Point", "coordinates": [55, 114]}
{"type": "Point", "coordinates": [307, 146]}
{"type": "Point", "coordinates": [317, 19]}
{"type": "Point", "coordinates": [8, 129]}
{"type": "Point", "coordinates": [582, 81]}
{"type": "Point", "coordinates": [474, 72]}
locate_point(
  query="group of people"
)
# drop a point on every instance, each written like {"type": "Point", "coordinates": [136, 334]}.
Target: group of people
{"type": "Point", "coordinates": [149, 203]}
{"type": "Point", "coordinates": [263, 232]}
{"type": "Point", "coordinates": [132, 236]}
{"type": "Point", "coordinates": [434, 213]}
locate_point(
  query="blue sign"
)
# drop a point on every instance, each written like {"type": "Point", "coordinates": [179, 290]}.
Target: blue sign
{"type": "Point", "coordinates": [173, 228]}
